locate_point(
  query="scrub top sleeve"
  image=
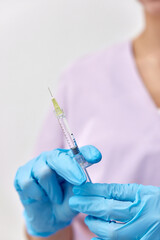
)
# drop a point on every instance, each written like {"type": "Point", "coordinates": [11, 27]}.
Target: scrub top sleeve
{"type": "Point", "coordinates": [50, 136]}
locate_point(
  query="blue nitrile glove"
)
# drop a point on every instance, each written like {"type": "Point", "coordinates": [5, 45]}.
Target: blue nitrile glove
{"type": "Point", "coordinates": [119, 211]}
{"type": "Point", "coordinates": [45, 185]}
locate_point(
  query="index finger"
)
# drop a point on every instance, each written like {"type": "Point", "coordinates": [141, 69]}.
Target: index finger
{"type": "Point", "coordinates": [63, 164]}
{"type": "Point", "coordinates": [122, 192]}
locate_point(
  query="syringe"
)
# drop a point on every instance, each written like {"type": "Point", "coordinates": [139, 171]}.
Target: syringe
{"type": "Point", "coordinates": [70, 137]}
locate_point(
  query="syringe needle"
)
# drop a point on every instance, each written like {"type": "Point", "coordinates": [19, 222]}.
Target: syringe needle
{"type": "Point", "coordinates": [50, 92]}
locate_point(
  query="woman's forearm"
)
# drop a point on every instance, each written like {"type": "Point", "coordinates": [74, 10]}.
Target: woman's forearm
{"type": "Point", "coordinates": [65, 233]}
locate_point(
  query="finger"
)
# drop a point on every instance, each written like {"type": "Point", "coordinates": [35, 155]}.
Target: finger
{"type": "Point", "coordinates": [27, 188]}
{"type": "Point", "coordinates": [130, 230]}
{"type": "Point", "coordinates": [47, 179]}
{"type": "Point", "coordinates": [146, 230]}
{"type": "Point", "coordinates": [101, 228]}
{"type": "Point", "coordinates": [107, 209]}
{"type": "Point", "coordinates": [62, 162]}
{"type": "Point", "coordinates": [91, 154]}
{"type": "Point", "coordinates": [122, 192]}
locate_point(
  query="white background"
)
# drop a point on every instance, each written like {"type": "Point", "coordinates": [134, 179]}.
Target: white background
{"type": "Point", "coordinates": [38, 39]}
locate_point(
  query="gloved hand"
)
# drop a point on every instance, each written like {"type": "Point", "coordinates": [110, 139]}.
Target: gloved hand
{"type": "Point", "coordinates": [119, 212]}
{"type": "Point", "coordinates": [45, 185]}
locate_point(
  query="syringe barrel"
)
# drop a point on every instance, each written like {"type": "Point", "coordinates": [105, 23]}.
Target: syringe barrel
{"type": "Point", "coordinates": [67, 133]}
{"type": "Point", "coordinates": [73, 145]}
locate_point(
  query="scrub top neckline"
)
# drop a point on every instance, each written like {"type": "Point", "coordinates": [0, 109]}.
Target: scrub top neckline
{"type": "Point", "coordinates": [149, 101]}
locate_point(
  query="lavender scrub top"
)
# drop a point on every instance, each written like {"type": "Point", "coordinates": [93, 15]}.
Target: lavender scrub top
{"type": "Point", "coordinates": [108, 106]}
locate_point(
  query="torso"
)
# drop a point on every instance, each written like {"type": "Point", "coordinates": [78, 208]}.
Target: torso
{"type": "Point", "coordinates": [107, 105]}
